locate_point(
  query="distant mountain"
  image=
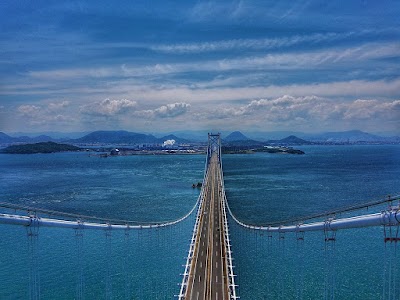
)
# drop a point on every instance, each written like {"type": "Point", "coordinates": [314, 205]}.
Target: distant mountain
{"type": "Point", "coordinates": [352, 136]}
{"type": "Point", "coordinates": [125, 137]}
{"type": "Point", "coordinates": [190, 135]}
{"type": "Point", "coordinates": [117, 137]}
{"type": "Point", "coordinates": [290, 140]}
{"type": "Point", "coordinates": [42, 138]}
{"type": "Point", "coordinates": [5, 139]}
{"type": "Point", "coordinates": [178, 140]}
{"type": "Point", "coordinates": [236, 136]}
{"type": "Point", "coordinates": [57, 135]}
{"type": "Point", "coordinates": [238, 139]}
{"type": "Point", "coordinates": [274, 135]}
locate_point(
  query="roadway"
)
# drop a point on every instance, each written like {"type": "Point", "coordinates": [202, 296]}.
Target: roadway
{"type": "Point", "coordinates": [207, 279]}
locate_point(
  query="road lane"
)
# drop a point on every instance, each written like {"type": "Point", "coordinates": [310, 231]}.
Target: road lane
{"type": "Point", "coordinates": [207, 278]}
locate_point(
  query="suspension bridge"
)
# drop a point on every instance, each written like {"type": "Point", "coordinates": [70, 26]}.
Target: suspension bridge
{"type": "Point", "coordinates": [143, 261]}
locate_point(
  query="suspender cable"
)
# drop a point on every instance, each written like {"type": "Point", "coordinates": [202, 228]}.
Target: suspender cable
{"type": "Point", "coordinates": [33, 248]}
{"type": "Point", "coordinates": [127, 258]}
{"type": "Point", "coordinates": [269, 253]}
{"type": "Point", "coordinates": [330, 253]}
{"type": "Point", "coordinates": [391, 239]}
{"type": "Point", "coordinates": [141, 260]}
{"type": "Point", "coordinates": [164, 243]}
{"type": "Point", "coordinates": [300, 264]}
{"type": "Point", "coordinates": [108, 264]}
{"type": "Point", "coordinates": [80, 262]}
{"type": "Point", "coordinates": [281, 245]}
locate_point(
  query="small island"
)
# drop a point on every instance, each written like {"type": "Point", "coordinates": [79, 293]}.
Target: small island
{"type": "Point", "coordinates": [279, 150]}
{"type": "Point", "coordinates": [265, 149]}
{"type": "Point", "coordinates": [45, 147]}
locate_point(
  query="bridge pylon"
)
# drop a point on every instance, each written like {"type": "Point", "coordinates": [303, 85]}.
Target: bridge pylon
{"type": "Point", "coordinates": [214, 146]}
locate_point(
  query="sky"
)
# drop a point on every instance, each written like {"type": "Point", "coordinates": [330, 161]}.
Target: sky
{"type": "Point", "coordinates": [163, 66]}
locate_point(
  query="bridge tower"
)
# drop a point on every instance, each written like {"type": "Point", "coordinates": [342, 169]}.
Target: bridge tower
{"type": "Point", "coordinates": [214, 146]}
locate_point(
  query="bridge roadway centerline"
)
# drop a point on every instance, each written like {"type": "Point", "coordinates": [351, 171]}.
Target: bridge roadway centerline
{"type": "Point", "coordinates": [207, 279]}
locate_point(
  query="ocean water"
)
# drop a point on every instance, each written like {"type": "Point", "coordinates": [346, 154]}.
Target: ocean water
{"type": "Point", "coordinates": [264, 188]}
{"type": "Point", "coordinates": [142, 188]}
{"type": "Point", "coordinates": [145, 264]}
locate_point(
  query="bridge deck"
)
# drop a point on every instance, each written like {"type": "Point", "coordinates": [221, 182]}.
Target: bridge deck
{"type": "Point", "coordinates": [208, 272]}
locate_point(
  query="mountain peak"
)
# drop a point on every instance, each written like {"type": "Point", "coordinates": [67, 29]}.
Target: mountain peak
{"type": "Point", "coordinates": [236, 136]}
{"type": "Point", "coordinates": [292, 139]}
{"type": "Point", "coordinates": [117, 137]}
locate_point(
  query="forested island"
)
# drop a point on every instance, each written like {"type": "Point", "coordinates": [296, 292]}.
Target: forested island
{"type": "Point", "coordinates": [238, 150]}
{"type": "Point", "coordinates": [45, 147]}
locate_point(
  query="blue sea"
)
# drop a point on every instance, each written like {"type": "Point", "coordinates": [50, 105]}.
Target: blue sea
{"type": "Point", "coordinates": [146, 264]}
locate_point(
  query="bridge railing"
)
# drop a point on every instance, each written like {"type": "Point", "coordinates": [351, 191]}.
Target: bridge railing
{"type": "Point", "coordinates": [228, 246]}
{"type": "Point", "coordinates": [189, 258]}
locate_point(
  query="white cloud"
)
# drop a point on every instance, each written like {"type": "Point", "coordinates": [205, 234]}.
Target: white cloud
{"type": "Point", "coordinates": [213, 11]}
{"type": "Point", "coordinates": [56, 106]}
{"type": "Point", "coordinates": [280, 109]}
{"type": "Point", "coordinates": [313, 59]}
{"type": "Point", "coordinates": [287, 112]}
{"type": "Point", "coordinates": [215, 91]}
{"type": "Point", "coordinates": [308, 112]}
{"type": "Point", "coordinates": [367, 109]}
{"type": "Point", "coordinates": [108, 107]}
{"type": "Point", "coordinates": [172, 110]}
{"type": "Point", "coordinates": [28, 110]}
{"type": "Point", "coordinates": [332, 57]}
{"type": "Point", "coordinates": [166, 111]}
{"type": "Point", "coordinates": [254, 44]}
{"type": "Point", "coordinates": [45, 114]}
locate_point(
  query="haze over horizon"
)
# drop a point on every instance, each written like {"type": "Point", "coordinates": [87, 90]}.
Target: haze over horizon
{"type": "Point", "coordinates": [309, 66]}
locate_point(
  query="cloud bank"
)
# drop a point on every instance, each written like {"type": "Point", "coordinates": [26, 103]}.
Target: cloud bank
{"type": "Point", "coordinates": [108, 107]}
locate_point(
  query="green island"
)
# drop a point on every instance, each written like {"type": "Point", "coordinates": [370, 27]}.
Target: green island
{"type": "Point", "coordinates": [44, 147]}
